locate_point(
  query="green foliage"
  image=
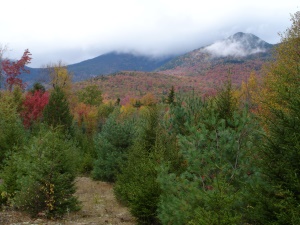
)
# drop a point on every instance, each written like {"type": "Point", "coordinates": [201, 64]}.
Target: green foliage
{"type": "Point", "coordinates": [57, 112]}
{"type": "Point", "coordinates": [87, 151]}
{"type": "Point", "coordinates": [12, 132]}
{"type": "Point", "coordinates": [136, 185]}
{"type": "Point", "coordinates": [104, 110]}
{"type": "Point", "coordinates": [226, 104]}
{"type": "Point", "coordinates": [210, 185]}
{"type": "Point", "coordinates": [41, 177]}
{"type": "Point", "coordinates": [184, 113]}
{"type": "Point", "coordinates": [18, 98]}
{"type": "Point", "coordinates": [112, 145]}
{"type": "Point", "coordinates": [37, 87]}
{"type": "Point", "coordinates": [90, 95]}
{"type": "Point", "coordinates": [277, 197]}
{"type": "Point", "coordinates": [171, 96]}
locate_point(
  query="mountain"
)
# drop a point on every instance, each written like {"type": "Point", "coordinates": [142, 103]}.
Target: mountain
{"type": "Point", "coordinates": [202, 70]}
{"type": "Point", "coordinates": [237, 48]}
{"type": "Point", "coordinates": [102, 65]}
{"type": "Point", "coordinates": [114, 62]}
{"type": "Point", "coordinates": [237, 56]}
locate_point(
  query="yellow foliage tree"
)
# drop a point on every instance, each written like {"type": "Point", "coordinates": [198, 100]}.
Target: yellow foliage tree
{"type": "Point", "coordinates": [148, 100]}
{"type": "Point", "coordinates": [282, 76]}
{"type": "Point", "coordinates": [60, 76]}
{"type": "Point", "coordinates": [250, 92]}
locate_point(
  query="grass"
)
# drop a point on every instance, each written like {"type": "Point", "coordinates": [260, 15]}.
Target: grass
{"type": "Point", "coordinates": [99, 206]}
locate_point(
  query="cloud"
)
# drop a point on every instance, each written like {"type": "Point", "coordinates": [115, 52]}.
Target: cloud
{"type": "Point", "coordinates": [234, 48]}
{"type": "Point", "coordinates": [77, 30]}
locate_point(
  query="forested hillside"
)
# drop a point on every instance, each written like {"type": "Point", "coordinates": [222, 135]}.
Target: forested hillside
{"type": "Point", "coordinates": [174, 156]}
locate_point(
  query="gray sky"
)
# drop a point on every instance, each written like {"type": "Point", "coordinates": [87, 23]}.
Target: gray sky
{"type": "Point", "coordinates": [76, 30]}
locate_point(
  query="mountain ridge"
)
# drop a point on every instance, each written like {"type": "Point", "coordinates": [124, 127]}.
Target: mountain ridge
{"type": "Point", "coordinates": [241, 53]}
{"type": "Point", "coordinates": [239, 47]}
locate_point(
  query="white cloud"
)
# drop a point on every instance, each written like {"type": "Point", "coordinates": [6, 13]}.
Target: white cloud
{"type": "Point", "coordinates": [231, 48]}
{"type": "Point", "coordinates": [76, 30]}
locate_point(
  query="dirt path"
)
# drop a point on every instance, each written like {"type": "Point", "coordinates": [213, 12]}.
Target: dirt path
{"type": "Point", "coordinates": [99, 206]}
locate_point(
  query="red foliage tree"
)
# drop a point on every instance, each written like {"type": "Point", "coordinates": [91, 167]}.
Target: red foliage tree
{"type": "Point", "coordinates": [13, 69]}
{"type": "Point", "coordinates": [33, 107]}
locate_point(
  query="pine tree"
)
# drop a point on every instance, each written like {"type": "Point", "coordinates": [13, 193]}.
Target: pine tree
{"type": "Point", "coordinates": [209, 186]}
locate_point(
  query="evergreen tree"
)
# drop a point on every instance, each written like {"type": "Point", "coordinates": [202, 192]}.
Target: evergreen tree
{"type": "Point", "coordinates": [37, 87]}
{"type": "Point", "coordinates": [216, 165]}
{"type": "Point", "coordinates": [112, 145]}
{"type": "Point", "coordinates": [277, 200]}
{"type": "Point", "coordinates": [12, 132]}
{"type": "Point", "coordinates": [57, 112]}
{"type": "Point", "coordinates": [226, 103]}
{"type": "Point", "coordinates": [137, 184]}
{"type": "Point", "coordinates": [44, 175]}
{"type": "Point", "coordinates": [171, 96]}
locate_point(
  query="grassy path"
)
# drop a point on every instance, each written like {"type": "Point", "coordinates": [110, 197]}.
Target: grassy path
{"type": "Point", "coordinates": [99, 206]}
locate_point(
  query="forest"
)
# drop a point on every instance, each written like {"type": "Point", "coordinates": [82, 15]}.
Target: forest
{"type": "Point", "coordinates": [231, 157]}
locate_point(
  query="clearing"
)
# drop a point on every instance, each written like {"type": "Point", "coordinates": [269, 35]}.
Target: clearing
{"type": "Point", "coordinates": [99, 206]}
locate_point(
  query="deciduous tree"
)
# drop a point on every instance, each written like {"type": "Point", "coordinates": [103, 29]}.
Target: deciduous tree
{"type": "Point", "coordinates": [12, 69]}
{"type": "Point", "coordinates": [33, 107]}
{"type": "Point", "coordinates": [59, 76]}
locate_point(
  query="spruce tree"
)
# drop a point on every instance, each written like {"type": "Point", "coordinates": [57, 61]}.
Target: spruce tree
{"type": "Point", "coordinates": [137, 184]}
{"type": "Point", "coordinates": [171, 96]}
{"type": "Point", "coordinates": [57, 112]}
{"type": "Point", "coordinates": [112, 145]}
{"type": "Point", "coordinates": [12, 133]}
{"type": "Point", "coordinates": [44, 173]}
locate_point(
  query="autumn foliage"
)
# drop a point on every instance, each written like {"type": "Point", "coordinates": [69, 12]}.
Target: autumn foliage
{"type": "Point", "coordinates": [13, 69]}
{"type": "Point", "coordinates": [34, 105]}
{"type": "Point", "coordinates": [223, 149]}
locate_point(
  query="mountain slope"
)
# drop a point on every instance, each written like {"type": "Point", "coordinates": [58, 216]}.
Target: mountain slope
{"type": "Point", "coordinates": [102, 65]}
{"type": "Point", "coordinates": [115, 62]}
{"type": "Point", "coordinates": [236, 56]}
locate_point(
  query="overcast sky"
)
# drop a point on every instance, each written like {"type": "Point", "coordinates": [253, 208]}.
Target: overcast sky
{"type": "Point", "coordinates": [76, 30]}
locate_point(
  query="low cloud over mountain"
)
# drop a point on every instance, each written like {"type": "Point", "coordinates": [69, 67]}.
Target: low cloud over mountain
{"type": "Point", "coordinates": [238, 45]}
